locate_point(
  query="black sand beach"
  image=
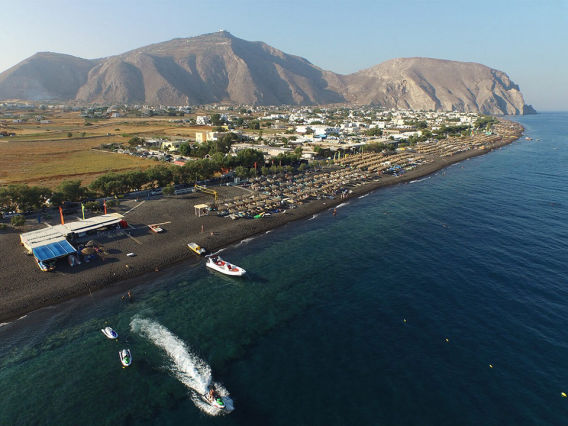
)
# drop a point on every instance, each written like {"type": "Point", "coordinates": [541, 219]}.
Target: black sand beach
{"type": "Point", "coordinates": [24, 288]}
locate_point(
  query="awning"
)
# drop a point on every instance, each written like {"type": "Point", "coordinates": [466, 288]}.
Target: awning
{"type": "Point", "coordinates": [53, 250]}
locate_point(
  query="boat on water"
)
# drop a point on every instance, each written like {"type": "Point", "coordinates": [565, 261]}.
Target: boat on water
{"type": "Point", "coordinates": [110, 333]}
{"type": "Point", "coordinates": [156, 228]}
{"type": "Point", "coordinates": [214, 399]}
{"type": "Point", "coordinates": [125, 357]}
{"type": "Point", "coordinates": [196, 248]}
{"type": "Point", "coordinates": [217, 264]}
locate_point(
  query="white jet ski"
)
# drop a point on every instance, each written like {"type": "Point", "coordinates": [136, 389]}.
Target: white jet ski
{"type": "Point", "coordinates": [214, 399]}
{"type": "Point", "coordinates": [125, 357]}
{"type": "Point", "coordinates": [109, 332]}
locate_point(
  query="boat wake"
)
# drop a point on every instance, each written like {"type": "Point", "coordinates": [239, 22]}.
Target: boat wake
{"type": "Point", "coordinates": [420, 180]}
{"type": "Point", "coordinates": [186, 366]}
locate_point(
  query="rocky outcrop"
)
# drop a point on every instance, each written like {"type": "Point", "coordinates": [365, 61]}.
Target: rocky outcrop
{"type": "Point", "coordinates": [219, 67]}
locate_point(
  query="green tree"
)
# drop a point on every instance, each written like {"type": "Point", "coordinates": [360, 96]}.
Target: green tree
{"type": "Point", "coordinates": [69, 134]}
{"type": "Point", "coordinates": [169, 190]}
{"type": "Point", "coordinates": [71, 190]}
{"type": "Point", "coordinates": [185, 149]}
{"type": "Point", "coordinates": [375, 131]}
{"type": "Point", "coordinates": [241, 172]}
{"type": "Point", "coordinates": [247, 157]}
{"type": "Point", "coordinates": [160, 175]}
{"type": "Point", "coordinates": [18, 220]}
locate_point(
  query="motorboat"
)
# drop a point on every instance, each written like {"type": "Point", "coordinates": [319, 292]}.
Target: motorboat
{"type": "Point", "coordinates": [217, 264]}
{"type": "Point", "coordinates": [125, 357]}
{"type": "Point", "coordinates": [110, 333]}
{"type": "Point", "coordinates": [196, 248]}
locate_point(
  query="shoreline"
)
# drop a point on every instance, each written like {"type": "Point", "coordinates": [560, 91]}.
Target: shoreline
{"type": "Point", "coordinates": [24, 288]}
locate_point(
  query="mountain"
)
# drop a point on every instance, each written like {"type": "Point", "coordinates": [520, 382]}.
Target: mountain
{"type": "Point", "coordinates": [45, 76]}
{"type": "Point", "coordinates": [219, 67]}
{"type": "Point", "coordinates": [425, 83]}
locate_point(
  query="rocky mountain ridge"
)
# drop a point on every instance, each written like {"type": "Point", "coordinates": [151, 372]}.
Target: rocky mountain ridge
{"type": "Point", "coordinates": [221, 68]}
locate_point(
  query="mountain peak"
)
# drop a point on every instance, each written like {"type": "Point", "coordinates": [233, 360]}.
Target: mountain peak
{"type": "Point", "coordinates": [219, 67]}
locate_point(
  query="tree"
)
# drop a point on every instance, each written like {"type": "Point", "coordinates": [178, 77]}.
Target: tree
{"type": "Point", "coordinates": [18, 220]}
{"type": "Point", "coordinates": [375, 131]}
{"type": "Point", "coordinates": [168, 190]}
{"type": "Point", "coordinates": [241, 172]}
{"type": "Point", "coordinates": [69, 134]}
{"type": "Point", "coordinates": [136, 140]}
{"type": "Point", "coordinates": [247, 157]}
{"type": "Point", "coordinates": [216, 120]}
{"type": "Point", "coordinates": [71, 190]}
{"type": "Point", "coordinates": [136, 179]}
{"type": "Point", "coordinates": [162, 175]}
{"type": "Point", "coordinates": [185, 149]}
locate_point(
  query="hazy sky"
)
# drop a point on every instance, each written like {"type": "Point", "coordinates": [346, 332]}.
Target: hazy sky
{"type": "Point", "coordinates": [526, 39]}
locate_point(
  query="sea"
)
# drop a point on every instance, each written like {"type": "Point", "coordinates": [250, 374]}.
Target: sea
{"type": "Point", "coordinates": [443, 301]}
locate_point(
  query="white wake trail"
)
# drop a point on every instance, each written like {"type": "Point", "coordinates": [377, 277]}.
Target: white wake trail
{"type": "Point", "coordinates": [186, 366]}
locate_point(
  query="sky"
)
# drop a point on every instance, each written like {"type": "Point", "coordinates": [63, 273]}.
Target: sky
{"type": "Point", "coordinates": [526, 39]}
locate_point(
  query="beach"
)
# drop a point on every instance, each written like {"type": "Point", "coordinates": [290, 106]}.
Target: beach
{"type": "Point", "coordinates": [25, 288]}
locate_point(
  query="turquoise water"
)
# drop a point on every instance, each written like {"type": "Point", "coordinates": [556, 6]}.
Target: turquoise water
{"type": "Point", "coordinates": [343, 320]}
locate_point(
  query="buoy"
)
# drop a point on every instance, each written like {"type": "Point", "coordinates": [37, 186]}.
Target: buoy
{"type": "Point", "coordinates": [563, 394]}
{"type": "Point", "coordinates": [404, 320]}
{"type": "Point", "coordinates": [490, 365]}
{"type": "Point", "coordinates": [447, 340]}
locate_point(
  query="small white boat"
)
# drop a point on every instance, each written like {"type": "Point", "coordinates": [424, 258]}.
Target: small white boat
{"type": "Point", "coordinates": [125, 357]}
{"type": "Point", "coordinates": [109, 332]}
{"type": "Point", "coordinates": [197, 248]}
{"type": "Point", "coordinates": [217, 264]}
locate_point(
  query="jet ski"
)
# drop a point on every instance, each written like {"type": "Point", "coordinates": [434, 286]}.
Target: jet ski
{"type": "Point", "coordinates": [125, 357]}
{"type": "Point", "coordinates": [109, 332]}
{"type": "Point", "coordinates": [214, 399]}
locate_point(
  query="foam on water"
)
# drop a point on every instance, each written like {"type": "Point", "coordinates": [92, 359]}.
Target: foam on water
{"type": "Point", "coordinates": [364, 195]}
{"type": "Point", "coordinates": [314, 216]}
{"type": "Point", "coordinates": [343, 204]}
{"type": "Point", "coordinates": [420, 180]}
{"type": "Point", "coordinates": [245, 241]}
{"type": "Point", "coordinates": [186, 366]}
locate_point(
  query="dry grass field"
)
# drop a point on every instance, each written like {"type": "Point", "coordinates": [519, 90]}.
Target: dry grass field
{"type": "Point", "coordinates": [44, 154]}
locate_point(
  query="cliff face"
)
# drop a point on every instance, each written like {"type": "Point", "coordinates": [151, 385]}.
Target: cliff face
{"type": "Point", "coordinates": [424, 83]}
{"type": "Point", "coordinates": [221, 68]}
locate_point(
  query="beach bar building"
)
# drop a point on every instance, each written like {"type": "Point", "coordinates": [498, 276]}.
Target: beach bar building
{"type": "Point", "coordinates": [52, 243]}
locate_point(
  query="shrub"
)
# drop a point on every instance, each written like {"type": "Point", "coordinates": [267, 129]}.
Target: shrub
{"type": "Point", "coordinates": [18, 220]}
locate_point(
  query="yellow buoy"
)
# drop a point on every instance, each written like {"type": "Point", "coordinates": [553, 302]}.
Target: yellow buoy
{"type": "Point", "coordinates": [404, 320]}
{"type": "Point", "coordinates": [563, 394]}
{"type": "Point", "coordinates": [490, 365]}
{"type": "Point", "coordinates": [447, 340]}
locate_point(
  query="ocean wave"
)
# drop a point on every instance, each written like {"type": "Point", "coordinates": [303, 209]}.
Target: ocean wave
{"type": "Point", "coordinates": [342, 204]}
{"type": "Point", "coordinates": [420, 180]}
{"type": "Point", "coordinates": [364, 195]}
{"type": "Point", "coordinates": [314, 216]}
{"type": "Point", "coordinates": [185, 365]}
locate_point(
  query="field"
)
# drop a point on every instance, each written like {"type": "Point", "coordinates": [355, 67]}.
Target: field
{"type": "Point", "coordinates": [45, 154]}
